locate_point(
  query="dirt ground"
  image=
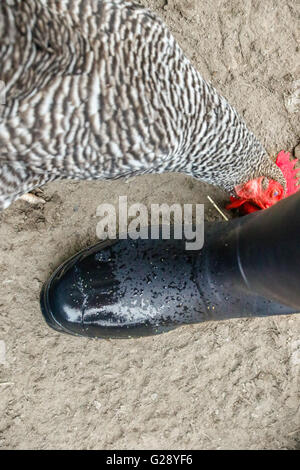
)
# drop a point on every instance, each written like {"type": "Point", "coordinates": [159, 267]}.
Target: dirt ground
{"type": "Point", "coordinates": [233, 384]}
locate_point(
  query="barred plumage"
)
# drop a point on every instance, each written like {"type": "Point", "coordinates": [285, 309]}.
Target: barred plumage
{"type": "Point", "coordinates": [101, 89]}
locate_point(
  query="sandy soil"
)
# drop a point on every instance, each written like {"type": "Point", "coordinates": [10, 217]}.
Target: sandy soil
{"type": "Point", "coordinates": [224, 385]}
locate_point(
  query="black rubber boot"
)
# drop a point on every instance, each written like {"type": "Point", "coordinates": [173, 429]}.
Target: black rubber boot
{"type": "Point", "coordinates": [248, 267]}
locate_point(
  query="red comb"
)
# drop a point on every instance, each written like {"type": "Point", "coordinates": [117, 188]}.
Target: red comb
{"type": "Point", "coordinates": [289, 171]}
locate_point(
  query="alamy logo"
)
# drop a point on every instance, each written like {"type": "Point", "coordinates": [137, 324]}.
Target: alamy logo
{"type": "Point", "coordinates": [135, 221]}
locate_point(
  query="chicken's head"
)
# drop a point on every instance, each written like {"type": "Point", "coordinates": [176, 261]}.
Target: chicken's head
{"type": "Point", "coordinates": [262, 192]}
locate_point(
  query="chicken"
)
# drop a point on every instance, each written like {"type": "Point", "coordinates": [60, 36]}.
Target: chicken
{"type": "Point", "coordinates": [99, 89]}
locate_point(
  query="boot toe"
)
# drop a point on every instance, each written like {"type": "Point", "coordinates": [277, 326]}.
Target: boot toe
{"type": "Point", "coordinates": [129, 288]}
{"type": "Point", "coordinates": [61, 302]}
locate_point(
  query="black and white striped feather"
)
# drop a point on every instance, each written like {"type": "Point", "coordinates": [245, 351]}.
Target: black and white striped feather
{"type": "Point", "coordinates": [101, 89]}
